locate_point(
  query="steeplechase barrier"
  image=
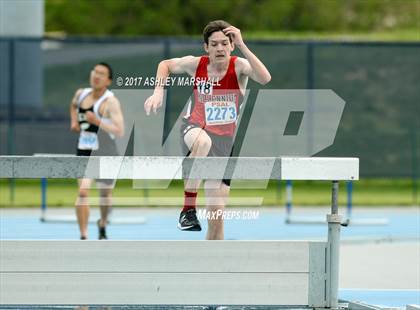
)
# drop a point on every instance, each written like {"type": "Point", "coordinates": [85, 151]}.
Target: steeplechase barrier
{"type": "Point", "coordinates": [289, 273]}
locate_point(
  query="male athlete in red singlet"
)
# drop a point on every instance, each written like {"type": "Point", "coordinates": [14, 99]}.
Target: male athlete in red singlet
{"type": "Point", "coordinates": [210, 122]}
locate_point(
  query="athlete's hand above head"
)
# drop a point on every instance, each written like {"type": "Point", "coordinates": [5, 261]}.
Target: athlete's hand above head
{"type": "Point", "coordinates": [153, 103]}
{"type": "Point", "coordinates": [235, 35]}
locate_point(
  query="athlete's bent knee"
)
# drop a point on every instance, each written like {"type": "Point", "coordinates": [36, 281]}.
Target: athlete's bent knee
{"type": "Point", "coordinates": [203, 142]}
{"type": "Point", "coordinates": [83, 193]}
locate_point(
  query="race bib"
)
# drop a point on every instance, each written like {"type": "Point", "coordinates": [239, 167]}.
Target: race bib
{"type": "Point", "coordinates": [88, 141]}
{"type": "Point", "coordinates": [220, 113]}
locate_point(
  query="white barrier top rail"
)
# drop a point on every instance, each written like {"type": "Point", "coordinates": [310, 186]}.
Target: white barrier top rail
{"type": "Point", "coordinates": [167, 167]}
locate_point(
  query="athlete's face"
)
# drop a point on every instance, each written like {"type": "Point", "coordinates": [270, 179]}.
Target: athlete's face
{"type": "Point", "coordinates": [99, 77]}
{"type": "Point", "coordinates": [219, 47]}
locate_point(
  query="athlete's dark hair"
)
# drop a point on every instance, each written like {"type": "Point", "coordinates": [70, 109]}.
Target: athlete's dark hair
{"type": "Point", "coordinates": [108, 67]}
{"type": "Point", "coordinates": [213, 26]}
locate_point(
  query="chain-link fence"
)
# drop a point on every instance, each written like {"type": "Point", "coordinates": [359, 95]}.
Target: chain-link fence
{"type": "Point", "coordinates": [378, 81]}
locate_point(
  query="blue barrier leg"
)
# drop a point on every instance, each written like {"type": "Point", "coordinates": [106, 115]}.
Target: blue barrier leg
{"type": "Point", "coordinates": [289, 196]}
{"type": "Point", "coordinates": [44, 184]}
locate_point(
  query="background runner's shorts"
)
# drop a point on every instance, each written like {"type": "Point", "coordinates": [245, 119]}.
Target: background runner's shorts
{"type": "Point", "coordinates": [221, 146]}
{"type": "Point", "coordinates": [100, 183]}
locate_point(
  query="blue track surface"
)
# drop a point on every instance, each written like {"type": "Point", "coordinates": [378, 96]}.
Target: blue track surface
{"type": "Point", "coordinates": [384, 298]}
{"type": "Point", "coordinates": [162, 226]}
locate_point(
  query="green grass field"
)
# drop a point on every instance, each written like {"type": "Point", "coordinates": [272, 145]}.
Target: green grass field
{"type": "Point", "coordinates": [376, 192]}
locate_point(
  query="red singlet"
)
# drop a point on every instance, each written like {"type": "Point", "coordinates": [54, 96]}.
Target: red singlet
{"type": "Point", "coordinates": [215, 104]}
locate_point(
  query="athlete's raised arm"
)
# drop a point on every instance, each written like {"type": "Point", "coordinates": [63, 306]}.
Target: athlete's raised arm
{"type": "Point", "coordinates": [187, 64]}
{"type": "Point", "coordinates": [251, 66]}
{"type": "Point", "coordinates": [114, 113]}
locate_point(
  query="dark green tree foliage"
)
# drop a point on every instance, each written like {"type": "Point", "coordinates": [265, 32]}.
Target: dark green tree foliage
{"type": "Point", "coordinates": [186, 17]}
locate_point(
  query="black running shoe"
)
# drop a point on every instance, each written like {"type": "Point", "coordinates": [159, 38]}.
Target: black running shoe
{"type": "Point", "coordinates": [188, 221]}
{"type": "Point", "coordinates": [102, 232]}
